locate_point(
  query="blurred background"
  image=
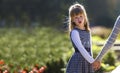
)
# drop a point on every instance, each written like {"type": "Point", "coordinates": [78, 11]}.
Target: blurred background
{"type": "Point", "coordinates": [15, 13]}
{"type": "Point", "coordinates": [34, 33]}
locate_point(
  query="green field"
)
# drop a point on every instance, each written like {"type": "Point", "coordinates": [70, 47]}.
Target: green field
{"type": "Point", "coordinates": [27, 47]}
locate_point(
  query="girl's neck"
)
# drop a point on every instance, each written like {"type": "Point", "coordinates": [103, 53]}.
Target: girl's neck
{"type": "Point", "coordinates": [81, 28]}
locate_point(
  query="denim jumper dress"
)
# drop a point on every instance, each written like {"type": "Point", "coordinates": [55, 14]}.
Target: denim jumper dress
{"type": "Point", "coordinates": [77, 63]}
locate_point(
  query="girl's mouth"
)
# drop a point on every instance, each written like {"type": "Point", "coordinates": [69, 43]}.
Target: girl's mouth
{"type": "Point", "coordinates": [79, 21]}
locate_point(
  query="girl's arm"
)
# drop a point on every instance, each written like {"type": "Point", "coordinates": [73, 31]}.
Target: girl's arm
{"type": "Point", "coordinates": [76, 40]}
{"type": "Point", "coordinates": [111, 39]}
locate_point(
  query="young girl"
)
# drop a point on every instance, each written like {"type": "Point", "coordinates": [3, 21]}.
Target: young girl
{"type": "Point", "coordinates": [81, 61]}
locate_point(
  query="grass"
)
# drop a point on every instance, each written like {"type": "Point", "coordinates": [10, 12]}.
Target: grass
{"type": "Point", "coordinates": [23, 47]}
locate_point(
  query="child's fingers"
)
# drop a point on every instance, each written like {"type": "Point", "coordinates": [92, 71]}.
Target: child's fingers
{"type": "Point", "coordinates": [96, 65]}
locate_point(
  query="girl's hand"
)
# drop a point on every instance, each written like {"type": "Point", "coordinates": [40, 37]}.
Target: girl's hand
{"type": "Point", "coordinates": [96, 65]}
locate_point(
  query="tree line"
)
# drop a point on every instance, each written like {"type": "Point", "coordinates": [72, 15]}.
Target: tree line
{"type": "Point", "coordinates": [45, 12]}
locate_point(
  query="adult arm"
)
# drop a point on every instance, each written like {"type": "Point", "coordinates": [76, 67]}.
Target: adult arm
{"type": "Point", "coordinates": [109, 43]}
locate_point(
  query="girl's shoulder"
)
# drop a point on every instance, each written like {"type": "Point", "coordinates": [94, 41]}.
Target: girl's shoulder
{"type": "Point", "coordinates": [78, 30]}
{"type": "Point", "coordinates": [74, 30]}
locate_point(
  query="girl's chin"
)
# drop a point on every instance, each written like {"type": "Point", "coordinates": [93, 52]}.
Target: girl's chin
{"type": "Point", "coordinates": [79, 24]}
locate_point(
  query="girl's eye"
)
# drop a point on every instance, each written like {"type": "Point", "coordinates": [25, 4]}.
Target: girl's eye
{"type": "Point", "coordinates": [76, 17]}
{"type": "Point", "coordinates": [80, 16]}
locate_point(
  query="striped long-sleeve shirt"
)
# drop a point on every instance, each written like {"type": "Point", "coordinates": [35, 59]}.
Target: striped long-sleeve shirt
{"type": "Point", "coordinates": [111, 39]}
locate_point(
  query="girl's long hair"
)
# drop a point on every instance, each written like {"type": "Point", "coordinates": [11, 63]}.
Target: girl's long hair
{"type": "Point", "coordinates": [75, 10]}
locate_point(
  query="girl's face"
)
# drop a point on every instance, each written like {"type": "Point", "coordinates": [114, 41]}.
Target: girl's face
{"type": "Point", "coordinates": [79, 20]}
